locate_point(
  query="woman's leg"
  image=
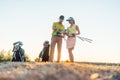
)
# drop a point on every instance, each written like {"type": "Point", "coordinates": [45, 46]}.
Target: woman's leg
{"type": "Point", "coordinates": [71, 54]}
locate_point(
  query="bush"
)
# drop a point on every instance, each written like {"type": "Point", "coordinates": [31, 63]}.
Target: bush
{"type": "Point", "coordinates": [37, 59]}
{"type": "Point", "coordinates": [27, 58]}
{"type": "Point", "coordinates": [5, 55]}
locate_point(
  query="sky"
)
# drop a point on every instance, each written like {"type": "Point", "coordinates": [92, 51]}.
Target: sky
{"type": "Point", "coordinates": [30, 21]}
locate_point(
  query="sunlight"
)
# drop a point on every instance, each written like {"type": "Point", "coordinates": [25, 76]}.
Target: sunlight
{"type": "Point", "coordinates": [64, 54]}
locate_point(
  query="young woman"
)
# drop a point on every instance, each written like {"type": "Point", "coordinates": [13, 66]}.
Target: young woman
{"type": "Point", "coordinates": [71, 32]}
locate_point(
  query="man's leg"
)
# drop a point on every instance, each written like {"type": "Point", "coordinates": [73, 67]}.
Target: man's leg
{"type": "Point", "coordinates": [53, 43]}
{"type": "Point", "coordinates": [59, 47]}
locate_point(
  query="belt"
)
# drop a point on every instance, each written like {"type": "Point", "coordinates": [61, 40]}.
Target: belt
{"type": "Point", "coordinates": [71, 36]}
{"type": "Point", "coordinates": [57, 36]}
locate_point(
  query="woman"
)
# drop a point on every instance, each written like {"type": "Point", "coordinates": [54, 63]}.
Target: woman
{"type": "Point", "coordinates": [71, 32]}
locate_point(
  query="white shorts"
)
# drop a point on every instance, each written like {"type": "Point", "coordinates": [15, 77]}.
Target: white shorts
{"type": "Point", "coordinates": [71, 42]}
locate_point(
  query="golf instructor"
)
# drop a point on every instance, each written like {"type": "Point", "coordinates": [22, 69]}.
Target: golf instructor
{"type": "Point", "coordinates": [57, 36]}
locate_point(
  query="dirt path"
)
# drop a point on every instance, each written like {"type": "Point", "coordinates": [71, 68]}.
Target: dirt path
{"type": "Point", "coordinates": [58, 71]}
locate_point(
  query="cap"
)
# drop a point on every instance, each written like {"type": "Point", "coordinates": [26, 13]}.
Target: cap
{"type": "Point", "coordinates": [61, 17]}
{"type": "Point", "coordinates": [47, 42]}
{"type": "Point", "coordinates": [70, 19]}
{"type": "Point", "coordinates": [19, 43]}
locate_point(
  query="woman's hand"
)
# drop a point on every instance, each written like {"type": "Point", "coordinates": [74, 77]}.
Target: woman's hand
{"type": "Point", "coordinates": [74, 34]}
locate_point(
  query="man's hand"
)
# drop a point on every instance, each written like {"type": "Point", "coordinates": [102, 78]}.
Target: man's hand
{"type": "Point", "coordinates": [54, 28]}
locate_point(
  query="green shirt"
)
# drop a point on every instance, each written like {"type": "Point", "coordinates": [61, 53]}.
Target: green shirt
{"type": "Point", "coordinates": [71, 30]}
{"type": "Point", "coordinates": [59, 26]}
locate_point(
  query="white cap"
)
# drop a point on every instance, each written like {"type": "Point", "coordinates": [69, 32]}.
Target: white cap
{"type": "Point", "coordinates": [70, 19]}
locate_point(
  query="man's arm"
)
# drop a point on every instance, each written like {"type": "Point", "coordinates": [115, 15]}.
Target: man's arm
{"type": "Point", "coordinates": [54, 28]}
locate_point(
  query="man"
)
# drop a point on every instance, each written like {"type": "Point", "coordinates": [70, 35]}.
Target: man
{"type": "Point", "coordinates": [57, 35]}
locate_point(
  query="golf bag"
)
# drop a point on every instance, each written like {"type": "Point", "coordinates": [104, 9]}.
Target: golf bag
{"type": "Point", "coordinates": [44, 54]}
{"type": "Point", "coordinates": [18, 53]}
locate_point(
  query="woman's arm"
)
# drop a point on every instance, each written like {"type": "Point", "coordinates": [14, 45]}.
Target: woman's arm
{"type": "Point", "coordinates": [78, 30]}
